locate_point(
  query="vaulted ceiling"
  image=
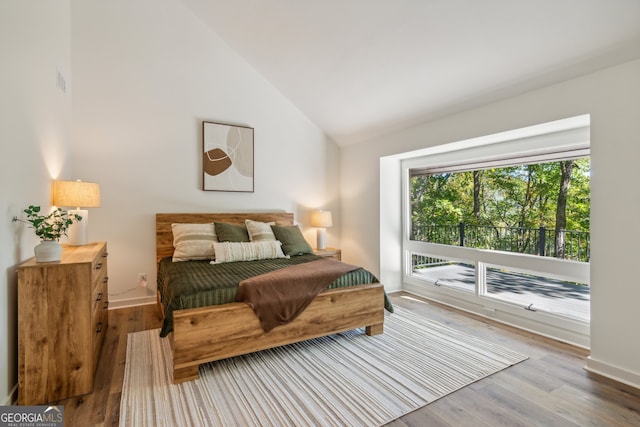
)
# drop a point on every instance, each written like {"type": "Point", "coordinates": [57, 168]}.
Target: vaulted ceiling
{"type": "Point", "coordinates": [361, 68]}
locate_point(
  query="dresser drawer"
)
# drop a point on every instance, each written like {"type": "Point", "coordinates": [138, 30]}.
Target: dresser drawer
{"type": "Point", "coordinates": [100, 325]}
{"type": "Point", "coordinates": [100, 290]}
{"type": "Point", "coordinates": [99, 269]}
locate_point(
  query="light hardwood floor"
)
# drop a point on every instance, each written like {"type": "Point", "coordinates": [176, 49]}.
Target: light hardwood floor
{"type": "Point", "coordinates": [551, 388]}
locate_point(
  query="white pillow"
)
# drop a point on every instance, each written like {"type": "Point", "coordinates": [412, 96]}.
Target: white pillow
{"type": "Point", "coordinates": [247, 251]}
{"type": "Point", "coordinates": [193, 241]}
{"type": "Point", "coordinates": [259, 231]}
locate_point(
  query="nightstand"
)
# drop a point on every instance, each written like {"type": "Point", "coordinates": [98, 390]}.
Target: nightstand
{"type": "Point", "coordinates": [329, 253]}
{"type": "Point", "coordinates": [62, 321]}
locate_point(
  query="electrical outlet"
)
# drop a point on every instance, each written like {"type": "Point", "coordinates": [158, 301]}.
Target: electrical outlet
{"type": "Point", "coordinates": [142, 279]}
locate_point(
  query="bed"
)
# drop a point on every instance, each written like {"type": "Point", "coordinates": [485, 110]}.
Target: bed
{"type": "Point", "coordinates": [213, 332]}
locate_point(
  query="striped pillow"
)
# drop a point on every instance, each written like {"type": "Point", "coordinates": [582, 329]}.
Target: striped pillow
{"type": "Point", "coordinates": [193, 241]}
{"type": "Point", "coordinates": [247, 251]}
{"type": "Point", "coordinates": [259, 231]}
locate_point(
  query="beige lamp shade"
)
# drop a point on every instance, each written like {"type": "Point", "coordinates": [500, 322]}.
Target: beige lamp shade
{"type": "Point", "coordinates": [321, 219]}
{"type": "Point", "coordinates": [76, 193]}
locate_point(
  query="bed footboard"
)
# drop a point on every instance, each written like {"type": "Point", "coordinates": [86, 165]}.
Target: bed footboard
{"type": "Point", "coordinates": [206, 334]}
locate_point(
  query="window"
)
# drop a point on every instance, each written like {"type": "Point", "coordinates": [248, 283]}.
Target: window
{"type": "Point", "coordinates": [500, 226]}
{"type": "Point", "coordinates": [537, 208]}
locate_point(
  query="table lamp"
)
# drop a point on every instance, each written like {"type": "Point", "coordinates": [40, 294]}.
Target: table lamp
{"type": "Point", "coordinates": [321, 220]}
{"type": "Point", "coordinates": [81, 195]}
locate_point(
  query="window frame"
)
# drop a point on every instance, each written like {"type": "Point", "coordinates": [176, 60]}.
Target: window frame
{"type": "Point", "coordinates": [554, 141]}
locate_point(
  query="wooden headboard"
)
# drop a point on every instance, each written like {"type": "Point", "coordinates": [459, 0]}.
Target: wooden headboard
{"type": "Point", "coordinates": [164, 236]}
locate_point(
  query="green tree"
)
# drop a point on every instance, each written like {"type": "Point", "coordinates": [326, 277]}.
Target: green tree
{"type": "Point", "coordinates": [566, 168]}
{"type": "Point", "coordinates": [552, 194]}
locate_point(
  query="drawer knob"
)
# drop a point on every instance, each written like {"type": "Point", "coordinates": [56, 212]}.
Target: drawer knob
{"type": "Point", "coordinates": [105, 305]}
{"type": "Point", "coordinates": [98, 266]}
{"type": "Point", "coordinates": [99, 329]}
{"type": "Point", "coordinates": [106, 254]}
{"type": "Point", "coordinates": [99, 298]}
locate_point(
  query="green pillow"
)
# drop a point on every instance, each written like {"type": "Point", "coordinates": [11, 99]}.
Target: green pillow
{"type": "Point", "coordinates": [293, 242]}
{"type": "Point", "coordinates": [227, 232]}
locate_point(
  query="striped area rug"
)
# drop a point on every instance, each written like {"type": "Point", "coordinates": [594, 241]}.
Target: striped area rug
{"type": "Point", "coordinates": [348, 379]}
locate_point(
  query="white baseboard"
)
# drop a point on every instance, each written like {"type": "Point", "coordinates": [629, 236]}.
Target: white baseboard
{"type": "Point", "coordinates": [131, 302]}
{"type": "Point", "coordinates": [613, 372]}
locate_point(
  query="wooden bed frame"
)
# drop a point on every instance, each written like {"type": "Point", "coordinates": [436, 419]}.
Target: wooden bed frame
{"type": "Point", "coordinates": [211, 333]}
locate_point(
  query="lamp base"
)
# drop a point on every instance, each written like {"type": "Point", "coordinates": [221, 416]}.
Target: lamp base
{"type": "Point", "coordinates": [321, 239]}
{"type": "Point", "coordinates": [79, 231]}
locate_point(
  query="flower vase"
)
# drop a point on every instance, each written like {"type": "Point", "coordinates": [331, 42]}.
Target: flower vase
{"type": "Point", "coordinates": [47, 251]}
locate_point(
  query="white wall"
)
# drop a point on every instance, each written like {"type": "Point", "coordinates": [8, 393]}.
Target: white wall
{"type": "Point", "coordinates": [34, 143]}
{"type": "Point", "coordinates": [146, 73]}
{"type": "Point", "coordinates": [612, 97]}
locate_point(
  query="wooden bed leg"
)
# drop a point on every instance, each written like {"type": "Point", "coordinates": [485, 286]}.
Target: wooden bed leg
{"type": "Point", "coordinates": [375, 329]}
{"type": "Point", "coordinates": [159, 305]}
{"type": "Point", "coordinates": [185, 374]}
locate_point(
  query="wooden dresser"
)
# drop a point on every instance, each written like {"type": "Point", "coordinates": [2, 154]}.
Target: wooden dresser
{"type": "Point", "coordinates": [62, 321]}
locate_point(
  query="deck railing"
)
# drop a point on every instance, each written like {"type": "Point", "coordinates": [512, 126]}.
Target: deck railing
{"type": "Point", "coordinates": [567, 244]}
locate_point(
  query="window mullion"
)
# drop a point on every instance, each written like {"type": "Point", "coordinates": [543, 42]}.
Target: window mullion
{"type": "Point", "coordinates": [481, 278]}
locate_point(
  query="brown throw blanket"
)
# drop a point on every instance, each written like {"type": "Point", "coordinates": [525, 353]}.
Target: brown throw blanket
{"type": "Point", "coordinates": [280, 296]}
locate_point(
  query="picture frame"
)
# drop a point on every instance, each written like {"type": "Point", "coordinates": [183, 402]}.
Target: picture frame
{"type": "Point", "coordinates": [227, 157]}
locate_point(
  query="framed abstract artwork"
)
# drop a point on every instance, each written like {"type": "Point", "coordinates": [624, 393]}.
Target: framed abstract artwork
{"type": "Point", "coordinates": [227, 157]}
